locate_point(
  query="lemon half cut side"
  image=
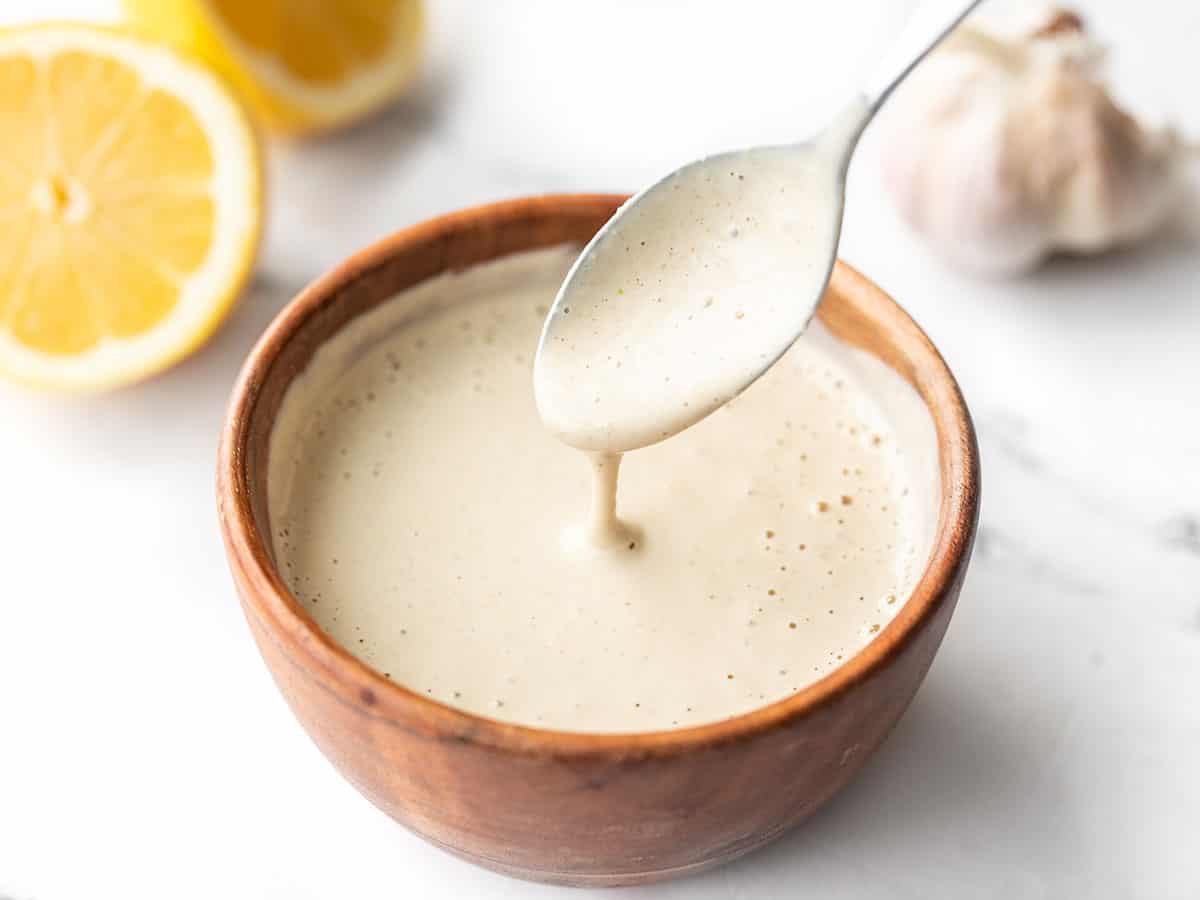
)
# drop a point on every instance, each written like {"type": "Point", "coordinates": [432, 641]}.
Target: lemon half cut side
{"type": "Point", "coordinates": [130, 206]}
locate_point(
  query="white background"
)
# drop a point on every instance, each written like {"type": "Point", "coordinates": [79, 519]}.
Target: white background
{"type": "Point", "coordinates": [1055, 749]}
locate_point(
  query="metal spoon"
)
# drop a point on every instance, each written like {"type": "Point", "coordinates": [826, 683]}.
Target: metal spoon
{"type": "Point", "coordinates": [704, 279]}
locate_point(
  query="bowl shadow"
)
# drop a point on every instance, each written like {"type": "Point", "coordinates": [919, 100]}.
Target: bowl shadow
{"type": "Point", "coordinates": [942, 794]}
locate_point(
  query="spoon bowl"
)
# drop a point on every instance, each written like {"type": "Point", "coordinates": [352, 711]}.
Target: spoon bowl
{"type": "Point", "coordinates": [664, 317]}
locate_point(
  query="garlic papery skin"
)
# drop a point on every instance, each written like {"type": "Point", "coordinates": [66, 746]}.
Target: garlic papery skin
{"type": "Point", "coordinates": [1001, 150]}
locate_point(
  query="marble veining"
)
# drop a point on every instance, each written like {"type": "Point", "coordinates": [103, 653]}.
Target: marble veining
{"type": "Point", "coordinates": [1182, 533]}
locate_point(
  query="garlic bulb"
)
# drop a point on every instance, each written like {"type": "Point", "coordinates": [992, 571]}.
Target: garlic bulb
{"type": "Point", "coordinates": [1003, 149]}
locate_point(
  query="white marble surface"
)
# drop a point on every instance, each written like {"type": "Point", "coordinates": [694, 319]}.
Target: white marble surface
{"type": "Point", "coordinates": [1055, 748]}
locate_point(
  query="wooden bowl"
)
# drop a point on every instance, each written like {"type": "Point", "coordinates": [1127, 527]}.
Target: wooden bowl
{"type": "Point", "coordinates": [582, 809]}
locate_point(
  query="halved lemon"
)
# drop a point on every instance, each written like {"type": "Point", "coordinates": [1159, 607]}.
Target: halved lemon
{"type": "Point", "coordinates": [304, 65]}
{"type": "Point", "coordinates": [130, 206]}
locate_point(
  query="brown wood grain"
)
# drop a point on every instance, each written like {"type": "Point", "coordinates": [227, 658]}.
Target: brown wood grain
{"type": "Point", "coordinates": [583, 809]}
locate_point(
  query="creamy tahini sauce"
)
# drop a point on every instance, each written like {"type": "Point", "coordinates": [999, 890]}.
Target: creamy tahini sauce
{"type": "Point", "coordinates": [691, 292]}
{"type": "Point", "coordinates": [431, 524]}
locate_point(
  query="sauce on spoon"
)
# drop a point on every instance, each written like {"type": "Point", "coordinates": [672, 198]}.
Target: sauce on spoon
{"type": "Point", "coordinates": [705, 280]}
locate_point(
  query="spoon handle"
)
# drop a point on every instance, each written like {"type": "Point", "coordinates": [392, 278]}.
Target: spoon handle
{"type": "Point", "coordinates": [928, 25]}
{"type": "Point", "coordinates": [925, 29]}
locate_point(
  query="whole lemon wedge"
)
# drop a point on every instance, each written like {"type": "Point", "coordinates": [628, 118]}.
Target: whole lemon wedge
{"type": "Point", "coordinates": [130, 206]}
{"type": "Point", "coordinates": [304, 65]}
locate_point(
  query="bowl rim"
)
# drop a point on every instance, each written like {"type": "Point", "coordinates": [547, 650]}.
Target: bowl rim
{"type": "Point", "coordinates": [266, 597]}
